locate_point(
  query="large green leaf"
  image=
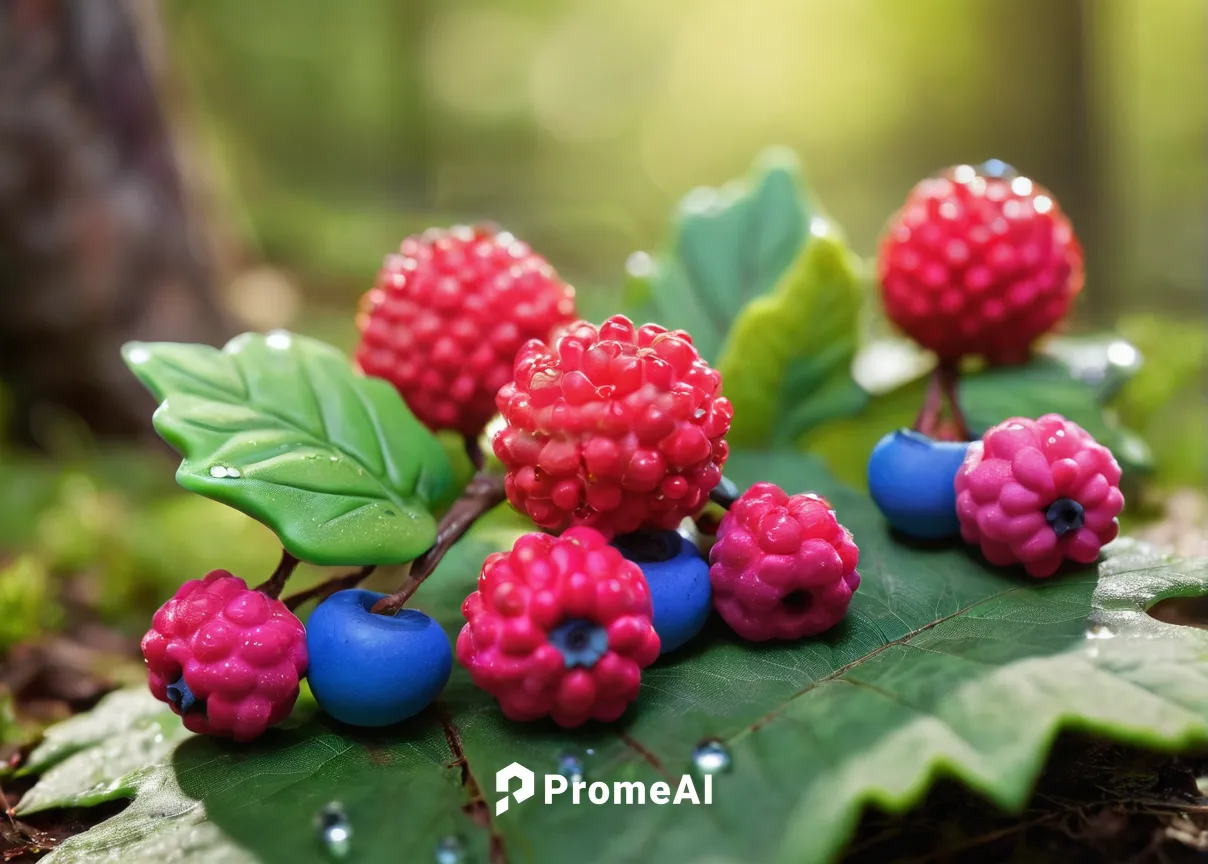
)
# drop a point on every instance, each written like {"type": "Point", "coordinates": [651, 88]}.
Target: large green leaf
{"type": "Point", "coordinates": [786, 365]}
{"type": "Point", "coordinates": [282, 428]}
{"type": "Point", "coordinates": [944, 667]}
{"type": "Point", "coordinates": [730, 246]}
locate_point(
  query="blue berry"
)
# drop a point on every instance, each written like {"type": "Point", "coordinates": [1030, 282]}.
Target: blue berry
{"type": "Point", "coordinates": [679, 583]}
{"type": "Point", "coordinates": [911, 477]}
{"type": "Point", "coordinates": [374, 670]}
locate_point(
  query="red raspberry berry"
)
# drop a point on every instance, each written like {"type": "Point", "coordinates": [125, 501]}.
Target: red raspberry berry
{"type": "Point", "coordinates": [559, 626]}
{"type": "Point", "coordinates": [226, 658]}
{"type": "Point", "coordinates": [1036, 492]}
{"type": "Point", "coordinates": [977, 264]}
{"type": "Point", "coordinates": [782, 567]}
{"type": "Point", "coordinates": [447, 316]}
{"type": "Point", "coordinates": [619, 429]}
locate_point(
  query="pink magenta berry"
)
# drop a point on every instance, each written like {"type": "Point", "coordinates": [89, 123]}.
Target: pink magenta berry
{"type": "Point", "coordinates": [226, 658]}
{"type": "Point", "coordinates": [782, 567]}
{"type": "Point", "coordinates": [447, 316]}
{"type": "Point", "coordinates": [1036, 492]}
{"type": "Point", "coordinates": [559, 627]}
{"type": "Point", "coordinates": [619, 428]}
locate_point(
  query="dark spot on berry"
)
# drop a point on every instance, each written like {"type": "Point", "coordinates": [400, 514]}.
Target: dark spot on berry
{"type": "Point", "coordinates": [797, 601]}
{"type": "Point", "coordinates": [648, 546]}
{"type": "Point", "coordinates": [1064, 515]}
{"type": "Point", "coordinates": [182, 697]}
{"type": "Point", "coordinates": [581, 642]}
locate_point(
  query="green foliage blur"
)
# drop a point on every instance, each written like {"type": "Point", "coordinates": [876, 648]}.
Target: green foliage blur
{"type": "Point", "coordinates": [333, 130]}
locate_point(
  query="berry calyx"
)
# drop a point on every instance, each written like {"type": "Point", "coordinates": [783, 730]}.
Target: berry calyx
{"type": "Point", "coordinates": [910, 479]}
{"type": "Point", "coordinates": [374, 670]}
{"type": "Point", "coordinates": [1038, 492]}
{"type": "Point", "coordinates": [979, 262]}
{"type": "Point", "coordinates": [618, 428]}
{"type": "Point", "coordinates": [559, 627]}
{"type": "Point", "coordinates": [447, 315]}
{"type": "Point", "coordinates": [782, 567]}
{"type": "Point", "coordinates": [226, 658]}
{"type": "Point", "coordinates": [678, 578]}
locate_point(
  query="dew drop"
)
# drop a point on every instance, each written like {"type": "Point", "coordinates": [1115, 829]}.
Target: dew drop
{"type": "Point", "coordinates": [335, 831]}
{"type": "Point", "coordinates": [279, 339]}
{"type": "Point", "coordinates": [1100, 631]}
{"type": "Point", "coordinates": [711, 756]}
{"type": "Point", "coordinates": [570, 766]}
{"type": "Point", "coordinates": [138, 355]}
{"type": "Point", "coordinates": [449, 851]}
{"type": "Point", "coordinates": [221, 471]}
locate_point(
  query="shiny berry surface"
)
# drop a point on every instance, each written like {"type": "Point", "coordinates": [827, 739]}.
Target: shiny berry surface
{"type": "Point", "coordinates": [559, 627]}
{"type": "Point", "coordinates": [678, 578]}
{"type": "Point", "coordinates": [619, 428]}
{"type": "Point", "coordinates": [782, 567]}
{"type": "Point", "coordinates": [225, 657]}
{"type": "Point", "coordinates": [979, 263]}
{"type": "Point", "coordinates": [374, 670]}
{"type": "Point", "coordinates": [447, 315]}
{"type": "Point", "coordinates": [1039, 492]}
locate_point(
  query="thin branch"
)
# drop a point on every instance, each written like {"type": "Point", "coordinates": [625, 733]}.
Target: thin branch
{"type": "Point", "coordinates": [484, 493]}
{"type": "Point", "coordinates": [275, 584]}
{"type": "Point", "coordinates": [928, 419]}
{"type": "Point", "coordinates": [324, 590]}
{"type": "Point", "coordinates": [948, 377]}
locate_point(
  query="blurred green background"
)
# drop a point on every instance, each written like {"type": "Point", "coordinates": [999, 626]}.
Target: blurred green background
{"type": "Point", "coordinates": [331, 130]}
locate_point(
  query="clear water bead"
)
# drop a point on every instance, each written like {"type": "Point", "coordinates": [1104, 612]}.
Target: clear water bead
{"type": "Point", "coordinates": [335, 831]}
{"type": "Point", "coordinates": [711, 756]}
{"type": "Point", "coordinates": [570, 766]}
{"type": "Point", "coordinates": [449, 851]}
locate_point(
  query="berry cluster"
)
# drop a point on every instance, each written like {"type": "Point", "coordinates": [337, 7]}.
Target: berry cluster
{"type": "Point", "coordinates": [619, 428]}
{"type": "Point", "coordinates": [977, 264]}
{"type": "Point", "coordinates": [226, 658]}
{"type": "Point", "coordinates": [613, 438]}
{"type": "Point", "coordinates": [783, 567]}
{"type": "Point", "coordinates": [1038, 492]}
{"type": "Point", "coordinates": [447, 316]}
{"type": "Point", "coordinates": [559, 626]}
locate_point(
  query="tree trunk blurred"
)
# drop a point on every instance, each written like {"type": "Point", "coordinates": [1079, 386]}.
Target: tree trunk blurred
{"type": "Point", "coordinates": [96, 245]}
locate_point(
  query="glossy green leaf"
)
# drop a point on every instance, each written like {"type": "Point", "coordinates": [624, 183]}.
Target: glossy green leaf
{"type": "Point", "coordinates": [282, 428]}
{"type": "Point", "coordinates": [945, 666]}
{"type": "Point", "coordinates": [786, 365]}
{"type": "Point", "coordinates": [730, 245]}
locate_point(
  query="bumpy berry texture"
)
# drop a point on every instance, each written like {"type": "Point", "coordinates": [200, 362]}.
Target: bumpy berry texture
{"type": "Point", "coordinates": [226, 658]}
{"type": "Point", "coordinates": [447, 316]}
{"type": "Point", "coordinates": [559, 627]}
{"type": "Point", "coordinates": [979, 265]}
{"type": "Point", "coordinates": [1036, 492]}
{"type": "Point", "coordinates": [619, 428]}
{"type": "Point", "coordinates": [782, 567]}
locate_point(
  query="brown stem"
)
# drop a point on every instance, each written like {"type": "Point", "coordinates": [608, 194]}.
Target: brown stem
{"type": "Point", "coordinates": [325, 589]}
{"type": "Point", "coordinates": [928, 419]}
{"type": "Point", "coordinates": [474, 451]}
{"type": "Point", "coordinates": [484, 493]}
{"type": "Point", "coordinates": [948, 377]}
{"type": "Point", "coordinates": [274, 585]}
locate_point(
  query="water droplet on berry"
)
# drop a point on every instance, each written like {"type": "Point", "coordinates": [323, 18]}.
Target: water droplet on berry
{"type": "Point", "coordinates": [711, 756]}
{"type": "Point", "coordinates": [570, 766]}
{"type": "Point", "coordinates": [335, 831]}
{"type": "Point", "coordinates": [450, 851]}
